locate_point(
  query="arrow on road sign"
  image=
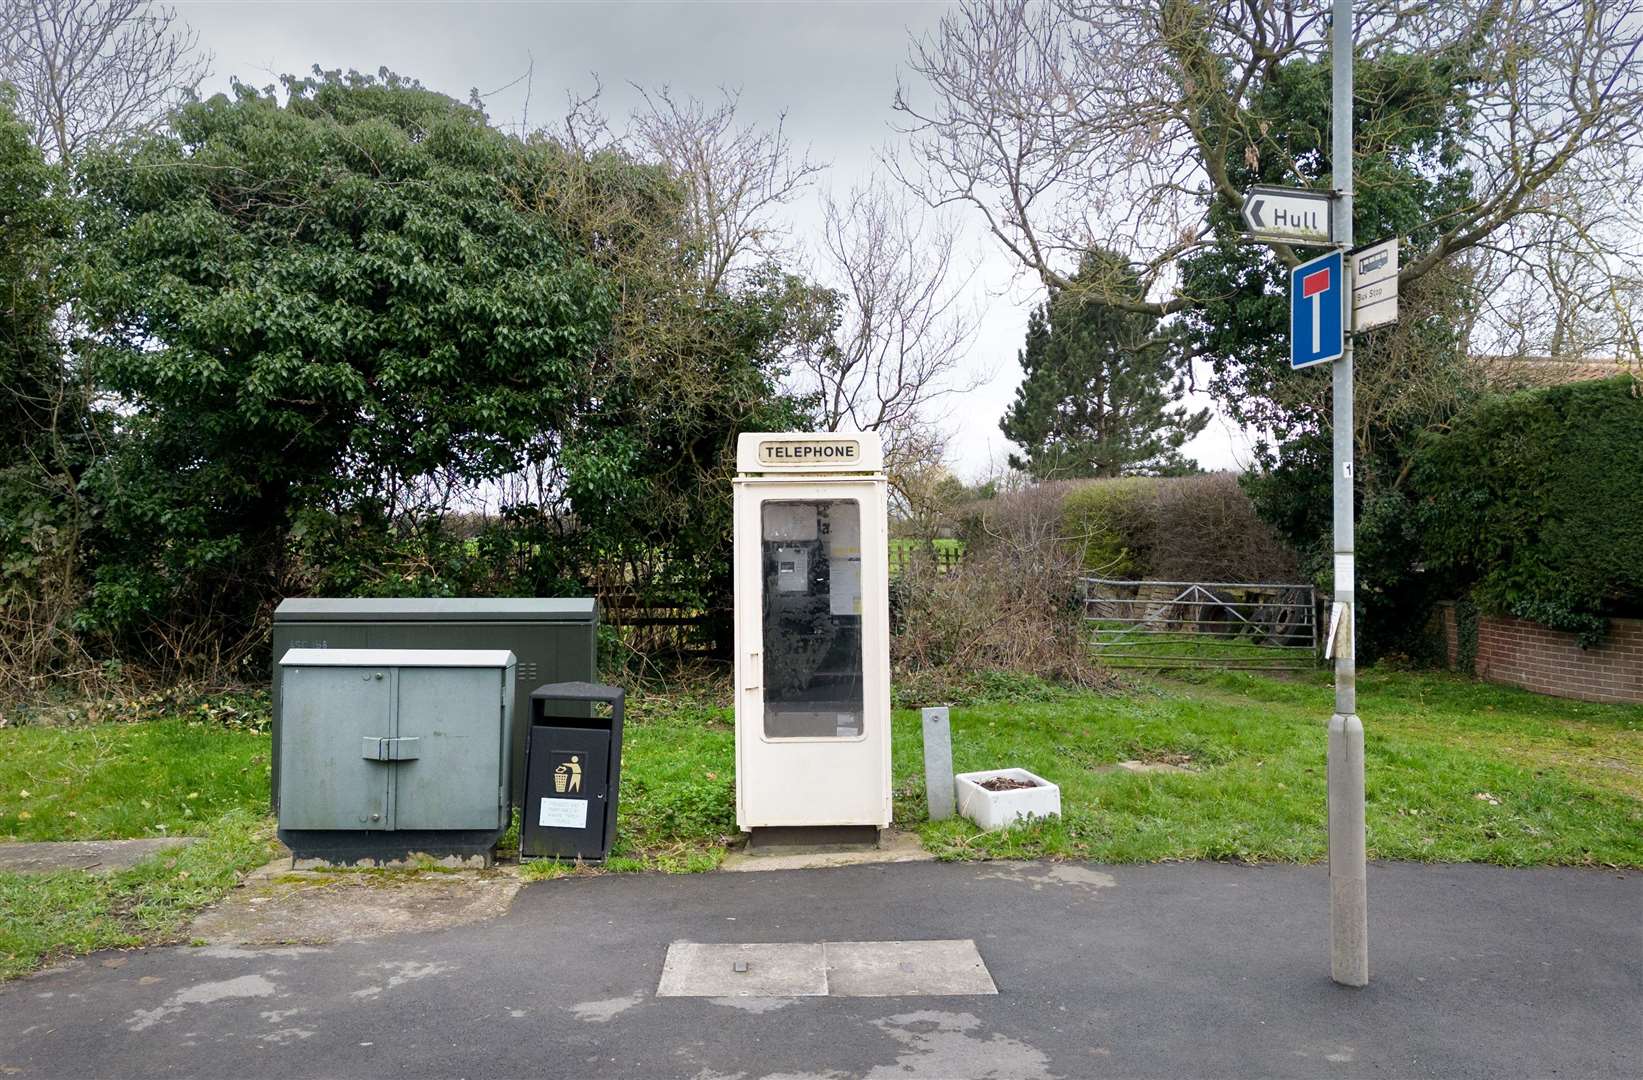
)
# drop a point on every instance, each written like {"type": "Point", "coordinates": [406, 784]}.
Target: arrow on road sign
{"type": "Point", "coordinates": [1288, 214]}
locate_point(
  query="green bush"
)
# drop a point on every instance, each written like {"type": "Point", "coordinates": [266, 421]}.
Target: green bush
{"type": "Point", "coordinates": [1107, 518]}
{"type": "Point", "coordinates": [1534, 501]}
{"type": "Point", "coordinates": [1189, 528]}
{"type": "Point", "coordinates": [327, 304]}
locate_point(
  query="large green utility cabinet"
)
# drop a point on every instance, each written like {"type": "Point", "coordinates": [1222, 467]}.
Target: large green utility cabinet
{"type": "Point", "coordinates": [554, 640]}
{"type": "Point", "coordinates": [393, 751]}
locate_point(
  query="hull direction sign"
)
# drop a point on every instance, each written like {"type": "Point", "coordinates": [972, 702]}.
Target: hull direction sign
{"type": "Point", "coordinates": [1275, 213]}
{"type": "Point", "coordinates": [816, 452]}
{"type": "Point", "coordinates": [1317, 305]}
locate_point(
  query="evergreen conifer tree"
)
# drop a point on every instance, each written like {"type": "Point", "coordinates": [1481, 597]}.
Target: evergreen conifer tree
{"type": "Point", "coordinates": [1101, 394]}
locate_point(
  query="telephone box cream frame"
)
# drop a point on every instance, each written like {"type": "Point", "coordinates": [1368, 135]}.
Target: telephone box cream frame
{"type": "Point", "coordinates": [812, 622]}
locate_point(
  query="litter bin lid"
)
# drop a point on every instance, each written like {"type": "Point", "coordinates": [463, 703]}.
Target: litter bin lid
{"type": "Point", "coordinates": [578, 691]}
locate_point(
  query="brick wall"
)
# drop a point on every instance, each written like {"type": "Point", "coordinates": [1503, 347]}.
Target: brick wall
{"type": "Point", "coordinates": [1516, 652]}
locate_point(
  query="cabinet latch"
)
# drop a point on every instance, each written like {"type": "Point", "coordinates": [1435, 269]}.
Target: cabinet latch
{"type": "Point", "coordinates": [404, 748]}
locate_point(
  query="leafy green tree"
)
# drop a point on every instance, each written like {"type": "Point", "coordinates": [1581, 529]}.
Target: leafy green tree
{"type": "Point", "coordinates": [45, 427]}
{"type": "Point", "coordinates": [1101, 390]}
{"type": "Point", "coordinates": [34, 221]}
{"type": "Point", "coordinates": [1411, 176]}
{"type": "Point", "coordinates": [327, 322]}
{"type": "Point", "coordinates": [633, 499]}
{"type": "Point", "coordinates": [1135, 125]}
{"type": "Point", "coordinates": [326, 304]}
{"type": "Point", "coordinates": [1411, 377]}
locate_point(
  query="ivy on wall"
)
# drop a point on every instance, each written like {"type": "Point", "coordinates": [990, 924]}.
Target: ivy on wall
{"type": "Point", "coordinates": [1466, 635]}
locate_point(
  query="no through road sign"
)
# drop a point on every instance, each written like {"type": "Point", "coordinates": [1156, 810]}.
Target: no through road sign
{"type": "Point", "coordinates": [1317, 291]}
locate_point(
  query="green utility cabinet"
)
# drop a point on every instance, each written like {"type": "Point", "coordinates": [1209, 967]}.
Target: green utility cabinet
{"type": "Point", "coordinates": [393, 751]}
{"type": "Point", "coordinates": [553, 639]}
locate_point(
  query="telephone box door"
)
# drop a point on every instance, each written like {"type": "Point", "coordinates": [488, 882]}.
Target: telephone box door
{"type": "Point", "coordinates": [812, 655]}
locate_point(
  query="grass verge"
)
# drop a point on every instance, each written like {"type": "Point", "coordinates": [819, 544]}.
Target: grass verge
{"type": "Point", "coordinates": [168, 777]}
{"type": "Point", "coordinates": [201, 773]}
{"type": "Point", "coordinates": [1457, 771]}
{"type": "Point", "coordinates": [44, 916]}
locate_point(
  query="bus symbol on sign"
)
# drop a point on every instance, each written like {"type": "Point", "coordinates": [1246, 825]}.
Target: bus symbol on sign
{"type": "Point", "coordinates": [1316, 327]}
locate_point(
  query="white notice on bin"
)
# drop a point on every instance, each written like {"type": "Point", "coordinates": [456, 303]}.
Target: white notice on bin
{"type": "Point", "coordinates": [563, 814]}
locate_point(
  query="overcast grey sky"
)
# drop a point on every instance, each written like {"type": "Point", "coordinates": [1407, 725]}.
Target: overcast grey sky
{"type": "Point", "coordinates": [830, 66]}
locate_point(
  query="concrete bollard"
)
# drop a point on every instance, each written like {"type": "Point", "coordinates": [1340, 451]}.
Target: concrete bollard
{"type": "Point", "coordinates": [938, 762]}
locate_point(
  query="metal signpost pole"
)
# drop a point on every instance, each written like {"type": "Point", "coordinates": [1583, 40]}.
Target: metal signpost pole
{"type": "Point", "coordinates": [1348, 894]}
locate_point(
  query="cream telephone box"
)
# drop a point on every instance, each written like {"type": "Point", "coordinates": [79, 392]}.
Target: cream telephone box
{"type": "Point", "coordinates": [812, 631]}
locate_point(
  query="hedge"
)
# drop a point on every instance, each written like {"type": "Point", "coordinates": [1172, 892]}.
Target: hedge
{"type": "Point", "coordinates": [1190, 528]}
{"type": "Point", "coordinates": [1534, 502]}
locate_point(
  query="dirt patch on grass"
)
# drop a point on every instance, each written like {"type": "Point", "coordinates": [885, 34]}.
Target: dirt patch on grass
{"type": "Point", "coordinates": [1165, 757]}
{"type": "Point", "coordinates": [1006, 783]}
{"type": "Point", "coordinates": [281, 906]}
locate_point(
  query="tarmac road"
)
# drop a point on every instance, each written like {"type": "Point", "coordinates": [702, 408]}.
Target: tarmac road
{"type": "Point", "coordinates": [1198, 969]}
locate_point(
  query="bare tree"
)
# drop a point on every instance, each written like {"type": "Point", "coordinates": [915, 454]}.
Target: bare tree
{"type": "Point", "coordinates": [893, 324]}
{"type": "Point", "coordinates": [878, 338]}
{"type": "Point", "coordinates": [1070, 122]}
{"type": "Point", "coordinates": [737, 174]}
{"type": "Point", "coordinates": [584, 130]}
{"type": "Point", "coordinates": [1564, 282]}
{"type": "Point", "coordinates": [87, 71]}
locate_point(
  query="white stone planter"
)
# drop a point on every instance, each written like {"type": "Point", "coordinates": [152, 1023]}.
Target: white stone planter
{"type": "Point", "coordinates": [1001, 809]}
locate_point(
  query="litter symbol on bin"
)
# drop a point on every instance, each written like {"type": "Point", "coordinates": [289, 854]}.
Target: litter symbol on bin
{"type": "Point", "coordinates": [568, 776]}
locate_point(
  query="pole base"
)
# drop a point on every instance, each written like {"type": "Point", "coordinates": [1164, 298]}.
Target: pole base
{"type": "Point", "coordinates": [1348, 865]}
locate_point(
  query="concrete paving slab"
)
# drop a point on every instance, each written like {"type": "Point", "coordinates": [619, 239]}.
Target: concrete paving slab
{"type": "Point", "coordinates": [906, 969]}
{"type": "Point", "coordinates": [894, 846]}
{"type": "Point", "coordinates": [278, 905]}
{"type": "Point", "coordinates": [780, 969]}
{"type": "Point", "coordinates": [97, 856]}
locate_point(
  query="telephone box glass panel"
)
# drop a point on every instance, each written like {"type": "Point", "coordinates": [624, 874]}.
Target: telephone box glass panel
{"type": "Point", "coordinates": [811, 559]}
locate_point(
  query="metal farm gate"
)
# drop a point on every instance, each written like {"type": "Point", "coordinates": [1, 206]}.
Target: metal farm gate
{"type": "Point", "coordinates": [1189, 624]}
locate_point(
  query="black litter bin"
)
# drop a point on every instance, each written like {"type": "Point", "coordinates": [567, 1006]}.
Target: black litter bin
{"type": "Point", "coordinates": [572, 768]}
